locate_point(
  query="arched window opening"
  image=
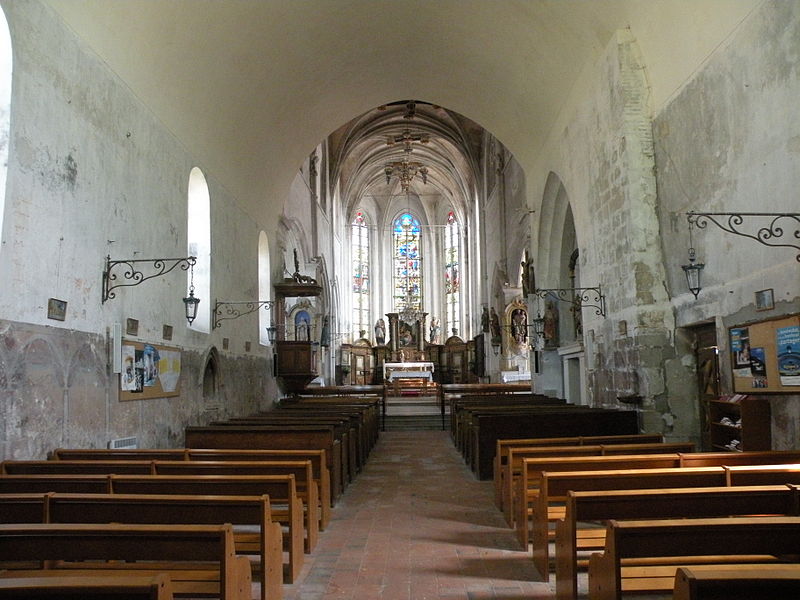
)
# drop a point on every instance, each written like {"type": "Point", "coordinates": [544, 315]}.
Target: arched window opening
{"type": "Point", "coordinates": [198, 234]}
{"type": "Point", "coordinates": [359, 237]}
{"type": "Point", "coordinates": [5, 109]}
{"type": "Point", "coordinates": [264, 288]}
{"type": "Point", "coordinates": [210, 376]}
{"type": "Point", "coordinates": [452, 279]}
{"type": "Point", "coordinates": [407, 263]}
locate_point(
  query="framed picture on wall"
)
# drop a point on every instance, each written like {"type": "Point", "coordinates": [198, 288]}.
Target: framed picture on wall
{"type": "Point", "coordinates": [765, 300]}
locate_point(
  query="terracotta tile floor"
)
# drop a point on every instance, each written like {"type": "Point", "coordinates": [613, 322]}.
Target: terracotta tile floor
{"type": "Point", "coordinates": [417, 525]}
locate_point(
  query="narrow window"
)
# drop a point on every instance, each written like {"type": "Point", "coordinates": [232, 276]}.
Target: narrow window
{"type": "Point", "coordinates": [264, 288]}
{"type": "Point", "coordinates": [5, 109]}
{"type": "Point", "coordinates": [359, 234]}
{"type": "Point", "coordinates": [198, 233]}
{"type": "Point", "coordinates": [452, 278]}
{"type": "Point", "coordinates": [407, 263]}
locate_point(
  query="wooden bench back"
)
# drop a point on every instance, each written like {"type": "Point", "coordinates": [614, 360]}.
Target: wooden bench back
{"type": "Point", "coordinates": [103, 542]}
{"type": "Point", "coordinates": [602, 505]}
{"type": "Point", "coordinates": [119, 454]}
{"type": "Point", "coordinates": [70, 483]}
{"type": "Point", "coordinates": [729, 459]}
{"type": "Point", "coordinates": [23, 508]}
{"type": "Point", "coordinates": [83, 467]}
{"type": "Point", "coordinates": [727, 537]}
{"type": "Point", "coordinates": [181, 509]}
{"type": "Point", "coordinates": [133, 587]}
{"type": "Point", "coordinates": [776, 582]}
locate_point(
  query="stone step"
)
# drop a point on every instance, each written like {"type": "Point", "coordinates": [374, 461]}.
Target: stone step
{"type": "Point", "coordinates": [414, 422]}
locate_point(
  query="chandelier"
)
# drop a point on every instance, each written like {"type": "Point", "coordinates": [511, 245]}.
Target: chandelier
{"type": "Point", "coordinates": [409, 314]}
{"type": "Point", "coordinates": [405, 170]}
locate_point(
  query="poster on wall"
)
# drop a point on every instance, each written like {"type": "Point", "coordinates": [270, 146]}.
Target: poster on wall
{"type": "Point", "coordinates": [787, 340]}
{"type": "Point", "coordinates": [765, 356]}
{"type": "Point", "coordinates": [149, 371]}
{"type": "Point", "coordinates": [740, 349]}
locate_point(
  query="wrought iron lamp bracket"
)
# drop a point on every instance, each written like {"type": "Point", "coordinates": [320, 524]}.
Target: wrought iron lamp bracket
{"type": "Point", "coordinates": [132, 275]}
{"type": "Point", "coordinates": [768, 233]}
{"type": "Point", "coordinates": [232, 310]}
{"type": "Point", "coordinates": [582, 297]}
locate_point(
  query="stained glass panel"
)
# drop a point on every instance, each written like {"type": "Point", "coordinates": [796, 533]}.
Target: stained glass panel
{"type": "Point", "coordinates": [452, 281]}
{"type": "Point", "coordinates": [359, 233]}
{"type": "Point", "coordinates": [407, 263]}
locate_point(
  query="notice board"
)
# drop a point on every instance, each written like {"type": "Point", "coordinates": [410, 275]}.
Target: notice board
{"type": "Point", "coordinates": [149, 371]}
{"type": "Point", "coordinates": [765, 356]}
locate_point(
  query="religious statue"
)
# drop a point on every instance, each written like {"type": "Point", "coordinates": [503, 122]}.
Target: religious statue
{"type": "Point", "coordinates": [528, 277]}
{"type": "Point", "coordinates": [434, 330]}
{"type": "Point", "coordinates": [494, 324]}
{"type": "Point", "coordinates": [519, 327]}
{"type": "Point", "coordinates": [551, 325]}
{"type": "Point", "coordinates": [485, 319]}
{"type": "Point", "coordinates": [380, 332]}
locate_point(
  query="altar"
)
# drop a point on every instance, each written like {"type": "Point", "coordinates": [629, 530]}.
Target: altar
{"type": "Point", "coordinates": [409, 377]}
{"type": "Point", "coordinates": [409, 370]}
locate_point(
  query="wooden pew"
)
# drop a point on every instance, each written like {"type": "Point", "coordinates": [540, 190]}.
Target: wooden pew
{"type": "Point", "coordinates": [75, 484]}
{"type": "Point", "coordinates": [776, 582]}
{"type": "Point", "coordinates": [23, 508]}
{"type": "Point", "coordinates": [317, 458]}
{"type": "Point", "coordinates": [503, 446]}
{"type": "Point", "coordinates": [271, 438]}
{"type": "Point", "coordinates": [528, 488]}
{"type": "Point", "coordinates": [118, 454]}
{"type": "Point", "coordinates": [340, 428]}
{"type": "Point", "coordinates": [77, 467]}
{"type": "Point", "coordinates": [512, 469]}
{"type": "Point", "coordinates": [464, 409]}
{"type": "Point", "coordinates": [604, 505]}
{"type": "Point", "coordinates": [199, 559]}
{"type": "Point", "coordinates": [450, 392]}
{"type": "Point", "coordinates": [285, 506]}
{"type": "Point", "coordinates": [683, 542]}
{"type": "Point", "coordinates": [350, 392]}
{"type": "Point", "coordinates": [546, 424]}
{"type": "Point", "coordinates": [367, 411]}
{"type": "Point", "coordinates": [318, 466]}
{"type": "Point", "coordinates": [266, 543]}
{"type": "Point", "coordinates": [133, 587]}
{"type": "Point", "coordinates": [305, 484]}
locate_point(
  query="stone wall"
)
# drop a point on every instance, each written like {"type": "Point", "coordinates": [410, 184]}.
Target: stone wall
{"type": "Point", "coordinates": [730, 142]}
{"type": "Point", "coordinates": [56, 390]}
{"type": "Point", "coordinates": [92, 173]}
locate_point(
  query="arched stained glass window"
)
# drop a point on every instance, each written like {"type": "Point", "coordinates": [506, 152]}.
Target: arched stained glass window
{"type": "Point", "coordinates": [359, 234]}
{"type": "Point", "coordinates": [407, 263]}
{"type": "Point", "coordinates": [452, 278]}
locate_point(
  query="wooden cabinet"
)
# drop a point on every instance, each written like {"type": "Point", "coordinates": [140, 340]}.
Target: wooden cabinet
{"type": "Point", "coordinates": [739, 423]}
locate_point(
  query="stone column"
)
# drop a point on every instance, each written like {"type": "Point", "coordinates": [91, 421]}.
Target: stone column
{"type": "Point", "coordinates": [394, 330]}
{"type": "Point", "coordinates": [420, 326]}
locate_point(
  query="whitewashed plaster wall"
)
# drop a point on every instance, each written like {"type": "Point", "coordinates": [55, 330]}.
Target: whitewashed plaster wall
{"type": "Point", "coordinates": [730, 142]}
{"type": "Point", "coordinates": [91, 172]}
{"type": "Point", "coordinates": [727, 141]}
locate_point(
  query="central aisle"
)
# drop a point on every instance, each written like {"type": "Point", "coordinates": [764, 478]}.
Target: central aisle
{"type": "Point", "coordinates": [417, 525]}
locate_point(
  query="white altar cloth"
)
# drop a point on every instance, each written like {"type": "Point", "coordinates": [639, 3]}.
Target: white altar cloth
{"type": "Point", "coordinates": [410, 375]}
{"type": "Point", "coordinates": [399, 367]}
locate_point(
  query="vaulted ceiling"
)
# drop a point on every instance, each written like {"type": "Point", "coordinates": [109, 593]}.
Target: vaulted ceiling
{"type": "Point", "coordinates": [250, 87]}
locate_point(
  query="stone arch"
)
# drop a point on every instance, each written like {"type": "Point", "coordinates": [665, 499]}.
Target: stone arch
{"type": "Point", "coordinates": [86, 415]}
{"type": "Point", "coordinates": [210, 376]}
